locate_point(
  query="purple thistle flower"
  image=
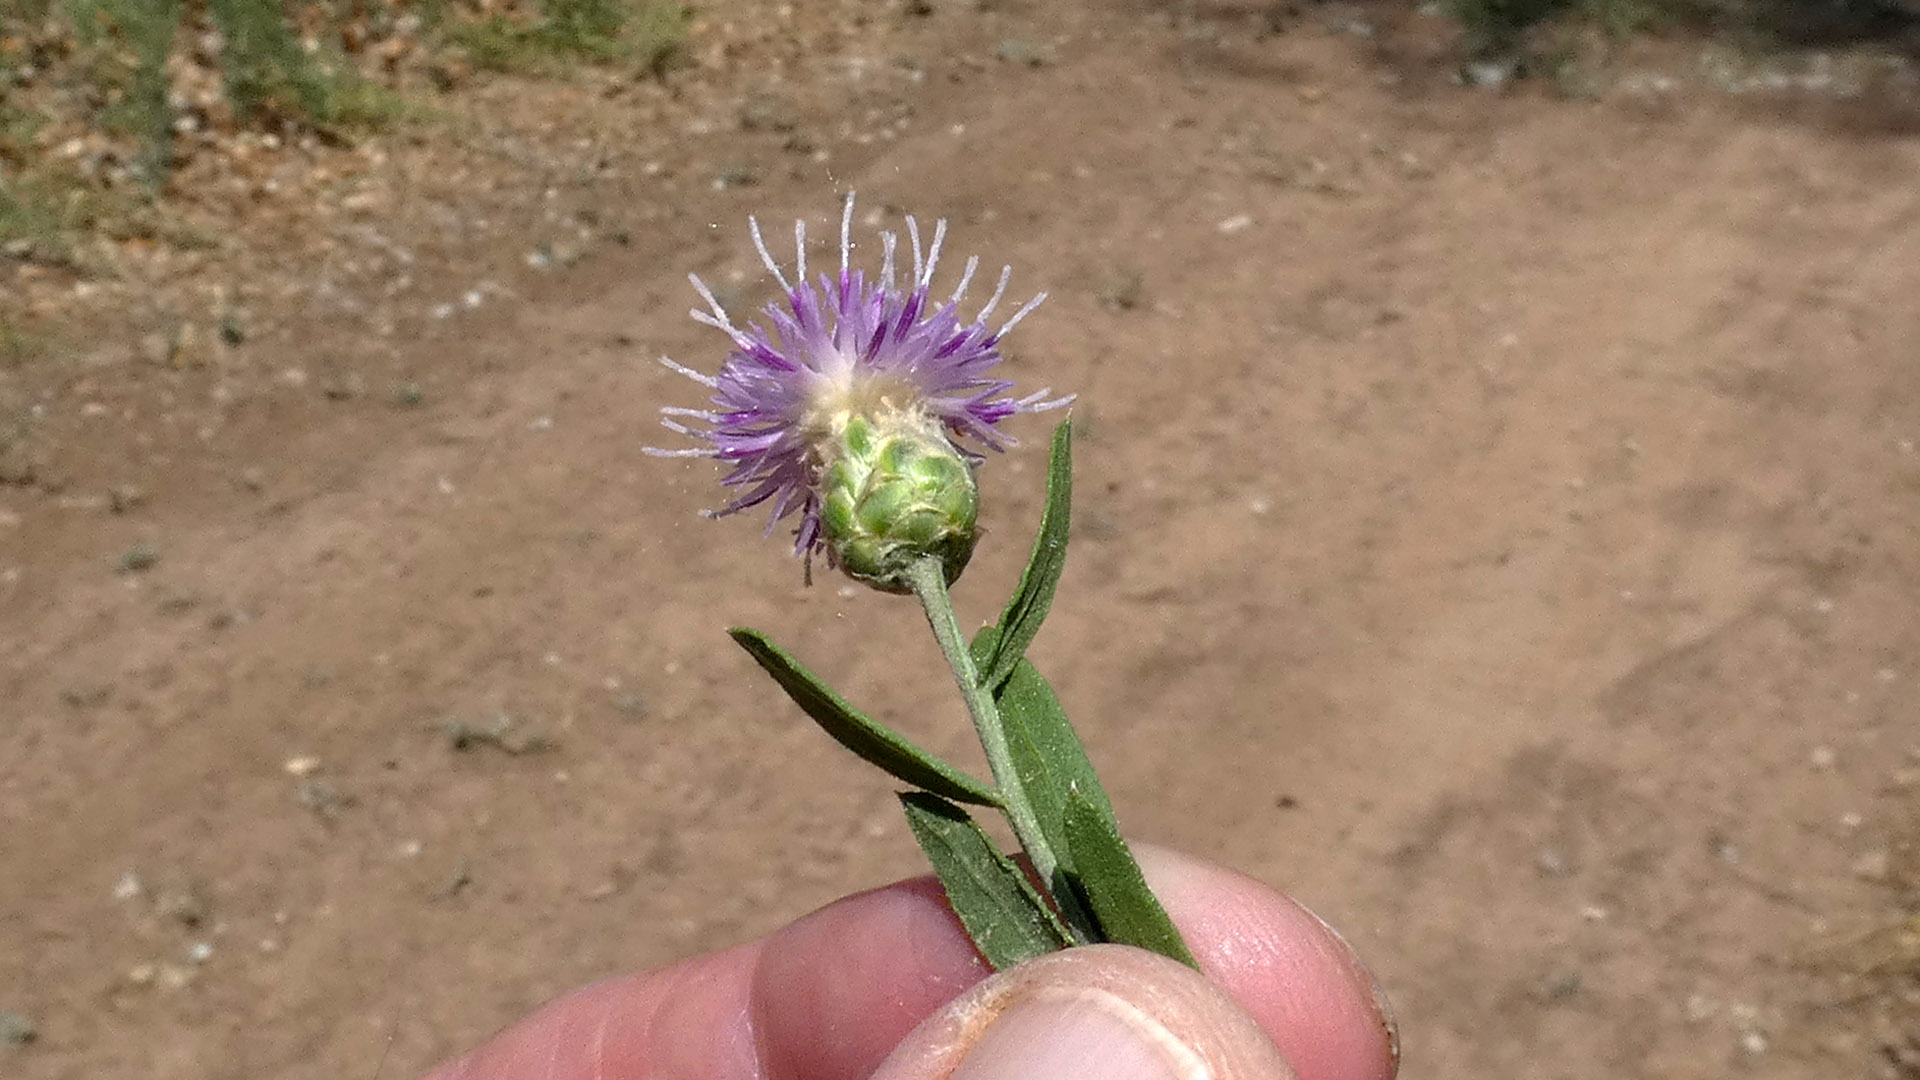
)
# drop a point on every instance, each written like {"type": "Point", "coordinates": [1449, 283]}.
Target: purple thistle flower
{"type": "Point", "coordinates": [848, 347]}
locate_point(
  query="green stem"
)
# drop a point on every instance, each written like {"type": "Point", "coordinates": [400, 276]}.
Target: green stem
{"type": "Point", "coordinates": [928, 578]}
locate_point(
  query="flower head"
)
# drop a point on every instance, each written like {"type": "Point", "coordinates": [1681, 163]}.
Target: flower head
{"type": "Point", "coordinates": [847, 368]}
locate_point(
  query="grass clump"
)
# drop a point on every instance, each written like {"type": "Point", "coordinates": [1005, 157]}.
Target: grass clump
{"type": "Point", "coordinates": [44, 211]}
{"type": "Point", "coordinates": [267, 74]}
{"type": "Point", "coordinates": [18, 346]}
{"type": "Point", "coordinates": [562, 32]}
{"type": "Point", "coordinates": [128, 43]}
{"type": "Point", "coordinates": [31, 223]}
{"type": "Point", "coordinates": [1539, 34]}
{"type": "Point", "coordinates": [1507, 28]}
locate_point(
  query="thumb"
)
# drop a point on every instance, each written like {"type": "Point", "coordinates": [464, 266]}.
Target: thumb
{"type": "Point", "coordinates": [1104, 1011]}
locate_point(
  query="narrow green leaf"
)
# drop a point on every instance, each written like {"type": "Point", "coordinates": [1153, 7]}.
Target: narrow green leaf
{"type": "Point", "coordinates": [1047, 753]}
{"type": "Point", "coordinates": [1110, 882]}
{"type": "Point", "coordinates": [1028, 608]}
{"type": "Point", "coordinates": [1050, 762]}
{"type": "Point", "coordinates": [859, 733]}
{"type": "Point", "coordinates": [1101, 891]}
{"type": "Point", "coordinates": [1001, 910]}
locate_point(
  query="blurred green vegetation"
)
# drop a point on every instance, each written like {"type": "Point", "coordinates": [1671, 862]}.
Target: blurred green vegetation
{"type": "Point", "coordinates": [1500, 27]}
{"type": "Point", "coordinates": [1516, 28]}
{"type": "Point", "coordinates": [128, 43]}
{"type": "Point", "coordinates": [651, 36]}
{"type": "Point", "coordinates": [18, 345]}
{"type": "Point", "coordinates": [267, 74]}
{"type": "Point", "coordinates": [113, 67]}
{"type": "Point", "coordinates": [31, 225]}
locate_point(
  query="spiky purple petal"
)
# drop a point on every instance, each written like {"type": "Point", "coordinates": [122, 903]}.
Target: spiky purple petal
{"type": "Point", "coordinates": [846, 330]}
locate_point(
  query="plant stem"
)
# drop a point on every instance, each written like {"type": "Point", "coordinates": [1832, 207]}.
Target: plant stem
{"type": "Point", "coordinates": [928, 578]}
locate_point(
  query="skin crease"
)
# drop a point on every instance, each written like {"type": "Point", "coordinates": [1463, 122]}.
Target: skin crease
{"type": "Point", "coordinates": [830, 996]}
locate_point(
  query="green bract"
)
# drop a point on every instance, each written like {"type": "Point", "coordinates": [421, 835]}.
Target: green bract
{"type": "Point", "coordinates": [895, 490]}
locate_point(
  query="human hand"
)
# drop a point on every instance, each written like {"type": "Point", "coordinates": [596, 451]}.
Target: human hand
{"type": "Point", "coordinates": [885, 984]}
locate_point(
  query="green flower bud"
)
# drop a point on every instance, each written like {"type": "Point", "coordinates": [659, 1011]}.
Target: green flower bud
{"type": "Point", "coordinates": [893, 491]}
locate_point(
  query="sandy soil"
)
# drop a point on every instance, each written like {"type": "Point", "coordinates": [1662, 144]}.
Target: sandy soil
{"type": "Point", "coordinates": [1499, 526]}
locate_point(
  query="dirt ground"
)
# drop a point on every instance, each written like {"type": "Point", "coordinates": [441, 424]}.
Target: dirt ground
{"type": "Point", "coordinates": [1499, 525]}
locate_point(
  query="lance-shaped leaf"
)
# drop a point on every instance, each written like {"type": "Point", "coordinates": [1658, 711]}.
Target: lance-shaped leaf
{"type": "Point", "coordinates": [1050, 762]}
{"type": "Point", "coordinates": [1047, 754]}
{"type": "Point", "coordinates": [1028, 608]}
{"type": "Point", "coordinates": [1110, 882]}
{"type": "Point", "coordinates": [1002, 912]}
{"type": "Point", "coordinates": [860, 733]}
{"type": "Point", "coordinates": [1099, 888]}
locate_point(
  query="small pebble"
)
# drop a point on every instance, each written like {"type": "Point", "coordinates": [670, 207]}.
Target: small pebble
{"type": "Point", "coordinates": [182, 903]}
{"type": "Point", "coordinates": [16, 1030]}
{"type": "Point", "coordinates": [1489, 75]}
{"type": "Point", "coordinates": [173, 977]}
{"type": "Point", "coordinates": [1872, 866]}
{"type": "Point", "coordinates": [321, 797]}
{"type": "Point", "coordinates": [136, 559]}
{"type": "Point", "coordinates": [302, 766]}
{"type": "Point", "coordinates": [1024, 52]}
{"type": "Point", "coordinates": [1561, 986]}
{"type": "Point", "coordinates": [1822, 757]}
{"type": "Point", "coordinates": [128, 887]}
{"type": "Point", "coordinates": [1236, 224]}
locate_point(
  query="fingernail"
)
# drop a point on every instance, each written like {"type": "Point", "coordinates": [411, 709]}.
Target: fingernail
{"type": "Point", "coordinates": [1382, 1005]}
{"type": "Point", "coordinates": [1082, 1032]}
